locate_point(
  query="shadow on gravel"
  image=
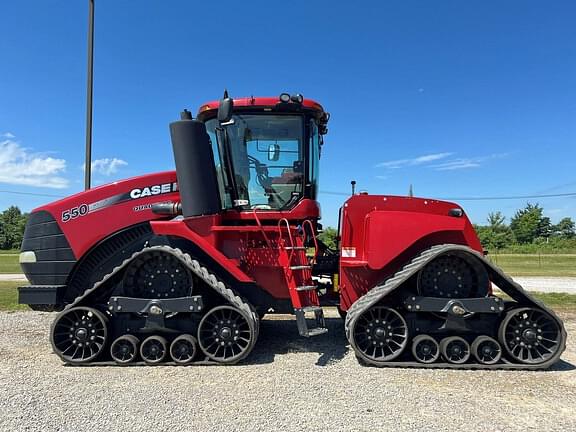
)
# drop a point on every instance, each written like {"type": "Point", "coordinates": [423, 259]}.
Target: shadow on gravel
{"type": "Point", "coordinates": [561, 366]}
{"type": "Point", "coordinates": [280, 336]}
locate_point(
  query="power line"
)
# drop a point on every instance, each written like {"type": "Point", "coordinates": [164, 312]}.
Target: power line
{"type": "Point", "coordinates": [32, 193]}
{"type": "Point", "coordinates": [512, 197]}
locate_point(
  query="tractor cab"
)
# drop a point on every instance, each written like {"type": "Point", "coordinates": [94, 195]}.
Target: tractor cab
{"type": "Point", "coordinates": [266, 150]}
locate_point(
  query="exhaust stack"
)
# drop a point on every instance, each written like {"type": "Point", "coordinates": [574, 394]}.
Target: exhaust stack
{"type": "Point", "coordinates": [195, 167]}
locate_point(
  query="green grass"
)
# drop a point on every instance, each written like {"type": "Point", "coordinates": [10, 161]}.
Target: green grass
{"type": "Point", "coordinates": [9, 263]}
{"type": "Point", "coordinates": [9, 296]}
{"type": "Point", "coordinates": [536, 265]}
{"type": "Point", "coordinates": [9, 252]}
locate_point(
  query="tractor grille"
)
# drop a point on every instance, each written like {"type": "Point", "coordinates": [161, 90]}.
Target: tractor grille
{"type": "Point", "coordinates": [54, 257]}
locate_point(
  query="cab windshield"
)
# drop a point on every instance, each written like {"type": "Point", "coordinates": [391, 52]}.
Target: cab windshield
{"type": "Point", "coordinates": [267, 153]}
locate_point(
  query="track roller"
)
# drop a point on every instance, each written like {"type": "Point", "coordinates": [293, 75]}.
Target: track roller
{"type": "Point", "coordinates": [425, 349]}
{"type": "Point", "coordinates": [486, 350]}
{"type": "Point", "coordinates": [455, 349]}
{"type": "Point", "coordinates": [530, 335]}
{"type": "Point", "coordinates": [79, 334]}
{"type": "Point", "coordinates": [124, 349]}
{"type": "Point", "coordinates": [153, 349]}
{"type": "Point", "coordinates": [183, 349]}
{"type": "Point", "coordinates": [379, 335]}
{"type": "Point", "coordinates": [226, 334]}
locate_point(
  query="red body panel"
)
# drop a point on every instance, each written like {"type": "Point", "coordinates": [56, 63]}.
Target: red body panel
{"type": "Point", "coordinates": [111, 208]}
{"type": "Point", "coordinates": [244, 243]}
{"type": "Point", "coordinates": [381, 233]}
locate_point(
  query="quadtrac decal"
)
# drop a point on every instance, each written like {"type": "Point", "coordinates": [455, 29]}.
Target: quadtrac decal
{"type": "Point", "coordinates": [134, 194]}
{"type": "Point", "coordinates": [148, 206]}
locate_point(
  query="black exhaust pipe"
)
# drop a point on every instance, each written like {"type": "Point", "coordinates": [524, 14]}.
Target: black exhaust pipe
{"type": "Point", "coordinates": [195, 168]}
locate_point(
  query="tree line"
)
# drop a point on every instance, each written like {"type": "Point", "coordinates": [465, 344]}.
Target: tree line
{"type": "Point", "coordinates": [12, 223]}
{"type": "Point", "coordinates": [528, 226]}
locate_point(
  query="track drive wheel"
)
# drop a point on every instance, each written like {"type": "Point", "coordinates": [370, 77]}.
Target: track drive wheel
{"type": "Point", "coordinates": [379, 335]}
{"type": "Point", "coordinates": [453, 275]}
{"type": "Point", "coordinates": [530, 335]}
{"type": "Point", "coordinates": [153, 349]}
{"type": "Point", "coordinates": [157, 274]}
{"type": "Point", "coordinates": [486, 350]}
{"type": "Point", "coordinates": [455, 349]}
{"type": "Point", "coordinates": [79, 334]}
{"type": "Point", "coordinates": [425, 349]}
{"type": "Point", "coordinates": [183, 349]}
{"type": "Point", "coordinates": [226, 335]}
{"type": "Point", "coordinates": [124, 349]}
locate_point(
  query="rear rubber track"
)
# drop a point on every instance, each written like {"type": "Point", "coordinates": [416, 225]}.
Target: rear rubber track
{"type": "Point", "coordinates": [504, 282]}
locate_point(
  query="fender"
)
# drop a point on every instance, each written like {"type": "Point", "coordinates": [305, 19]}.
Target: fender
{"type": "Point", "coordinates": [178, 228]}
{"type": "Point", "coordinates": [379, 233]}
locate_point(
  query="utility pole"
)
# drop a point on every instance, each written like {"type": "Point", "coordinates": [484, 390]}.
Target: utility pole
{"type": "Point", "coordinates": [89, 86]}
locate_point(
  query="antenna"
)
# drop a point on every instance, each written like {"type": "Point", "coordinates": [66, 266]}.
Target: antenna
{"type": "Point", "coordinates": [411, 191]}
{"type": "Point", "coordinates": [353, 183]}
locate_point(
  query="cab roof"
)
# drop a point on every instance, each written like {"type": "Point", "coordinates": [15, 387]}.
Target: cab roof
{"type": "Point", "coordinates": [210, 109]}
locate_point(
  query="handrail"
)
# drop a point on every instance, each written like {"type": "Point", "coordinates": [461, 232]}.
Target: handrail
{"type": "Point", "coordinates": [262, 228]}
{"type": "Point", "coordinates": [313, 234]}
{"type": "Point", "coordinates": [285, 221]}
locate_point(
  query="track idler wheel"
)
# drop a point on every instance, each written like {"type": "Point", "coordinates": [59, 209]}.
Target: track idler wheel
{"type": "Point", "coordinates": [425, 349]}
{"type": "Point", "coordinates": [530, 335]}
{"type": "Point", "coordinates": [124, 349]}
{"type": "Point", "coordinates": [455, 349]}
{"type": "Point", "coordinates": [379, 335]}
{"type": "Point", "coordinates": [79, 334]}
{"type": "Point", "coordinates": [226, 335]}
{"type": "Point", "coordinates": [153, 349]}
{"type": "Point", "coordinates": [183, 349]}
{"type": "Point", "coordinates": [486, 350]}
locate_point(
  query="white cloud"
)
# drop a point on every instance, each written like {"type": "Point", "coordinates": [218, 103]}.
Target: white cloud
{"type": "Point", "coordinates": [8, 135]}
{"type": "Point", "coordinates": [464, 163]}
{"type": "Point", "coordinates": [107, 166]}
{"type": "Point", "coordinates": [21, 167]}
{"type": "Point", "coordinates": [401, 163]}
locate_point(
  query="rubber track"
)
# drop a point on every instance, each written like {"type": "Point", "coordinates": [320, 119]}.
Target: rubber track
{"type": "Point", "coordinates": [504, 282]}
{"type": "Point", "coordinates": [197, 269]}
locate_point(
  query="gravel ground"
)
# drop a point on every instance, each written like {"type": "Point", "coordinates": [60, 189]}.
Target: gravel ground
{"type": "Point", "coordinates": [547, 284]}
{"type": "Point", "coordinates": [288, 383]}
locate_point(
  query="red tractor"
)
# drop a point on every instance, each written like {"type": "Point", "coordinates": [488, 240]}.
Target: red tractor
{"type": "Point", "coordinates": [180, 266]}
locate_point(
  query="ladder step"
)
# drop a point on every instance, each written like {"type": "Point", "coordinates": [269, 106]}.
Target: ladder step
{"type": "Point", "coordinates": [306, 309]}
{"type": "Point", "coordinates": [300, 267]}
{"type": "Point", "coordinates": [317, 331]}
{"type": "Point", "coordinates": [295, 248]}
{"type": "Point", "coordinates": [306, 288]}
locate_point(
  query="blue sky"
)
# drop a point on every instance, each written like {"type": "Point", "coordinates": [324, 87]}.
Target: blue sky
{"type": "Point", "coordinates": [460, 99]}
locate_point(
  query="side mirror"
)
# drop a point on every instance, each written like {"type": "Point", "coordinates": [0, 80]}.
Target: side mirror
{"type": "Point", "coordinates": [225, 108]}
{"type": "Point", "coordinates": [273, 152]}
